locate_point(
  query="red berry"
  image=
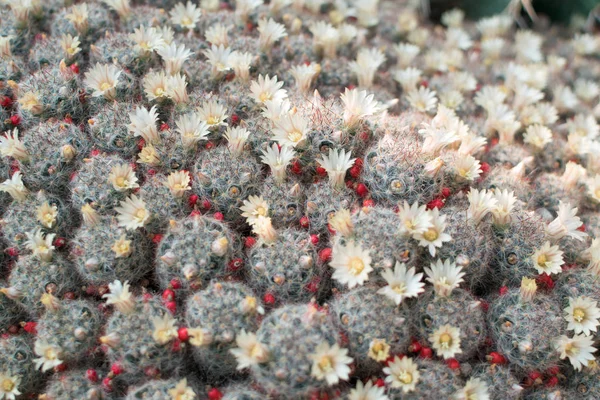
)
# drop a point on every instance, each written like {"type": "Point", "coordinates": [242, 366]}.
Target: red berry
{"type": "Point", "coordinates": [249, 242]}
{"type": "Point", "coordinates": [435, 203]}
{"type": "Point", "coordinates": [581, 228]}
{"type": "Point", "coordinates": [13, 329]}
{"type": "Point", "coordinates": [296, 167]}
{"type": "Point", "coordinates": [313, 285]}
{"type": "Point", "coordinates": [157, 238]}
{"type": "Point", "coordinates": [209, 145]}
{"type": "Point", "coordinates": [234, 119]}
{"type": "Point", "coordinates": [358, 162]}
{"type": "Point", "coordinates": [368, 203]}
{"type": "Point", "coordinates": [59, 242]}
{"type": "Point", "coordinates": [496, 358]}
{"type": "Point", "coordinates": [321, 171]}
{"type": "Point", "coordinates": [269, 299]}
{"type": "Point", "coordinates": [107, 384]}
{"type": "Point", "coordinates": [380, 382]}
{"type": "Point", "coordinates": [195, 213]}
{"type": "Point", "coordinates": [552, 381]}
{"type": "Point", "coordinates": [164, 126]}
{"type": "Point", "coordinates": [168, 295]}
{"type": "Point", "coordinates": [452, 363]}
{"type": "Point", "coordinates": [30, 327]}
{"type": "Point", "coordinates": [15, 120]}
{"type": "Point", "coordinates": [314, 239]}
{"type": "Point", "coordinates": [6, 102]}
{"type": "Point", "coordinates": [215, 394]}
{"type": "Point", "coordinates": [424, 83]}
{"type": "Point", "coordinates": [60, 367]}
{"type": "Point", "coordinates": [485, 168]}
{"type": "Point", "coordinates": [553, 370]}
{"type": "Point", "coordinates": [415, 347]}
{"type": "Point", "coordinates": [69, 296]}
{"type": "Point", "coordinates": [68, 119]}
{"type": "Point", "coordinates": [218, 216]}
{"type": "Point", "coordinates": [151, 172]}
{"type": "Point", "coordinates": [330, 229]}
{"type": "Point", "coordinates": [485, 306]}
{"type": "Point", "coordinates": [362, 190]}
{"type": "Point", "coordinates": [446, 192]}
{"type": "Point", "coordinates": [12, 251]}
{"type": "Point", "coordinates": [192, 200]}
{"type": "Point", "coordinates": [171, 306]}
{"type": "Point", "coordinates": [325, 254]}
{"type": "Point", "coordinates": [426, 352]}
{"type": "Point", "coordinates": [182, 334]}
{"type": "Point", "coordinates": [355, 171]}
{"type": "Point", "coordinates": [175, 283]}
{"type": "Point", "coordinates": [117, 369]}
{"type": "Point", "coordinates": [351, 86]}
{"type": "Point", "coordinates": [545, 280]}
{"type": "Point", "coordinates": [151, 371]}
{"type": "Point", "coordinates": [94, 152]}
{"type": "Point", "coordinates": [235, 264]}
{"type": "Point", "coordinates": [91, 375]}
{"type": "Point", "coordinates": [534, 375]}
{"type": "Point", "coordinates": [304, 222]}
{"type": "Point", "coordinates": [74, 68]}
{"type": "Point", "coordinates": [205, 204]}
{"type": "Point", "coordinates": [364, 135]}
{"type": "Point", "coordinates": [176, 346]}
{"type": "Point", "coordinates": [503, 290]}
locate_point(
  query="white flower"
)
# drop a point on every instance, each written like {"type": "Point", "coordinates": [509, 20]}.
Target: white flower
{"type": "Point", "coordinates": [434, 236]}
{"type": "Point", "coordinates": [582, 315]}
{"type": "Point", "coordinates": [254, 208]}
{"type": "Point", "coordinates": [528, 46]}
{"type": "Point", "coordinates": [266, 88]}
{"type": "Point", "coordinates": [46, 214]}
{"type": "Point", "coordinates": [12, 146]}
{"type": "Point", "coordinates": [29, 101]}
{"type": "Point", "coordinates": [352, 264]}
{"type": "Point", "coordinates": [49, 355]}
{"type": "Point", "coordinates": [275, 109]}
{"type": "Point", "coordinates": [278, 158]}
{"type": "Point", "coordinates": [593, 254]}
{"type": "Point", "coordinates": [406, 53]}
{"type": "Point", "coordinates": [40, 244]}
{"type": "Point", "coordinates": [132, 213]}
{"type": "Point", "coordinates": [122, 177]}
{"type": "Point", "coordinates": [120, 296]}
{"type": "Point", "coordinates": [367, 392]}
{"type": "Point", "coordinates": [186, 16]}
{"type": "Point", "coordinates": [192, 129]}
{"type": "Point", "coordinates": [148, 156]}
{"type": "Point", "coordinates": [586, 90]}
{"type": "Point", "coordinates": [241, 62]}
{"type": "Point", "coordinates": [436, 139]}
{"type": "Point", "coordinates": [498, 25]}
{"type": "Point", "coordinates": [444, 276]}
{"type": "Point", "coordinates": [250, 306]}
{"type": "Point", "coordinates": [143, 123]}
{"type": "Point", "coordinates": [12, 292]}
{"type": "Point", "coordinates": [475, 389]}
{"type": "Point", "coordinates": [122, 7]}
{"type": "Point", "coordinates": [481, 203]}
{"type": "Point", "coordinates": [357, 106]}
{"type": "Point", "coordinates": [453, 18]}
{"type": "Point", "coordinates": [528, 288]}
{"type": "Point", "coordinates": [583, 125]}
{"type": "Point", "coordinates": [218, 57]}
{"type": "Point", "coordinates": [564, 99]}
{"type": "Point", "coordinates": [244, 7]}
{"type": "Point", "coordinates": [249, 351]}
{"type": "Point", "coordinates": [90, 216]}
{"type": "Point", "coordinates": [167, 33]}
{"type": "Point", "coordinates": [366, 64]}
{"type": "Point", "coordinates": [413, 219]}
{"type": "Point", "coordinates": [408, 78]}
{"type": "Point", "coordinates": [457, 38]}
{"type": "Point", "coordinates": [164, 329]}
{"type": "Point", "coordinates": [578, 349]}
{"type": "Point", "coordinates": [199, 337]}
{"type": "Point", "coordinates": [401, 283]}
{"type": "Point", "coordinates": [537, 136]}
{"type": "Point", "coordinates": [122, 247]}
{"type": "Point", "coordinates": [585, 44]}
{"type": "Point", "coordinates": [236, 139]}
{"type": "Point", "coordinates": [336, 163]}
{"type": "Point", "coordinates": [70, 44]}
{"type": "Point", "coordinates": [263, 228]}
{"type": "Point", "coordinates": [330, 363]}
{"type": "Point", "coordinates": [146, 40]}
{"type": "Point", "coordinates": [176, 89]}
{"type": "Point", "coordinates": [5, 50]}
{"type": "Point", "coordinates": [402, 373]}
{"type": "Point", "coordinates": [446, 341]}
{"type": "Point", "coordinates": [9, 386]}
{"type": "Point", "coordinates": [467, 167]}
{"type": "Point", "coordinates": [155, 85]}
{"type": "Point", "coordinates": [217, 35]}
{"type": "Point", "coordinates": [304, 75]}
{"type": "Point", "coordinates": [341, 222]}
{"type": "Point", "coordinates": [505, 203]}
{"type": "Point", "coordinates": [182, 391]}
{"type": "Point", "coordinates": [15, 187]}
{"type": "Point", "coordinates": [326, 38]}
{"type": "Point", "coordinates": [451, 99]}
{"type": "Point", "coordinates": [572, 175]}
{"type": "Point", "coordinates": [566, 223]}
{"type": "Point", "coordinates": [79, 17]}
{"type": "Point", "coordinates": [220, 246]}
{"type": "Point", "coordinates": [548, 259]}
{"type": "Point", "coordinates": [492, 49]}
{"type": "Point", "coordinates": [422, 99]}
{"type": "Point", "coordinates": [291, 130]}
{"type": "Point", "coordinates": [213, 113]}
{"type": "Point", "coordinates": [178, 182]}
{"type": "Point", "coordinates": [270, 32]}
{"type": "Point", "coordinates": [103, 80]}
{"type": "Point", "coordinates": [174, 56]}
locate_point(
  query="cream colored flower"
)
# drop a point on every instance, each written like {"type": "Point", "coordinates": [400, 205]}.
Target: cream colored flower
{"type": "Point", "coordinates": [90, 216]}
{"type": "Point", "coordinates": [155, 85]}
{"type": "Point", "coordinates": [249, 351]}
{"type": "Point", "coordinates": [122, 7]}
{"type": "Point", "coordinates": [146, 40]}
{"type": "Point", "coordinates": [352, 264]}
{"type": "Point", "coordinates": [174, 56]}
{"type": "Point", "coordinates": [278, 158]}
{"type": "Point", "coordinates": [357, 106]}
{"type": "Point", "coordinates": [164, 329]}
{"type": "Point", "coordinates": [240, 63]}
{"type": "Point", "coordinates": [330, 363]}
{"type": "Point", "coordinates": [15, 187]}
{"type": "Point", "coordinates": [582, 315]}
{"type": "Point", "coordinates": [122, 247]}
{"type": "Point", "coordinates": [434, 236]}
{"type": "Point", "coordinates": [379, 350]}
{"type": "Point", "coordinates": [186, 16]}
{"type": "Point", "coordinates": [254, 208]}
{"type": "Point", "coordinates": [336, 163]}
{"type": "Point", "coordinates": [413, 219]}
{"type": "Point", "coordinates": [446, 341]}
{"type": "Point", "coordinates": [177, 89]}
{"type": "Point", "coordinates": [266, 88]}
{"type": "Point", "coordinates": [218, 56]}
{"type": "Point", "coordinates": [367, 391]}
{"type": "Point", "coordinates": [5, 48]}
{"type": "Point", "coordinates": [220, 246]}
{"type": "Point", "coordinates": [120, 296]}
{"type": "Point", "coordinates": [548, 259]}
{"type": "Point", "coordinates": [270, 32]}
{"type": "Point", "coordinates": [291, 130]}
{"type": "Point", "coordinates": [12, 146]}
{"type": "Point", "coordinates": [149, 156]}
{"type": "Point", "coordinates": [40, 244]}
{"type": "Point", "coordinates": [182, 391]}
{"type": "Point", "coordinates": [178, 182]}
{"type": "Point", "coordinates": [143, 123]}
{"type": "Point", "coordinates": [579, 350]}
{"type": "Point", "coordinates": [366, 65]}
{"type": "Point", "coordinates": [341, 222]}
{"type": "Point", "coordinates": [192, 129]}
{"type": "Point", "coordinates": [236, 140]}
{"type": "Point", "coordinates": [46, 214]}
{"type": "Point", "coordinates": [537, 136]}
{"type": "Point", "coordinates": [213, 114]}
{"type": "Point", "coordinates": [475, 389]}
{"type": "Point", "coordinates": [132, 213]}
{"type": "Point", "coordinates": [481, 203]}
{"type": "Point", "coordinates": [199, 337]}
{"type": "Point", "coordinates": [528, 289]}
{"type": "Point", "coordinates": [250, 306]}
{"type": "Point", "coordinates": [263, 227]}
{"type": "Point", "coordinates": [444, 276]}
{"type": "Point", "coordinates": [422, 99]}
{"type": "Point", "coordinates": [402, 283]}
{"type": "Point", "coordinates": [566, 223]}
{"type": "Point", "coordinates": [30, 101]}
{"type": "Point", "coordinates": [467, 167]}
{"type": "Point", "coordinates": [505, 204]}
{"type": "Point", "coordinates": [122, 177]}
{"type": "Point", "coordinates": [593, 255]}
{"type": "Point", "coordinates": [305, 75]}
{"type": "Point", "coordinates": [79, 17]}
{"type": "Point", "coordinates": [49, 355]}
{"type": "Point", "coordinates": [70, 45]}
{"type": "Point", "coordinates": [9, 386]}
{"type": "Point", "coordinates": [103, 80]}
{"type": "Point", "coordinates": [402, 373]}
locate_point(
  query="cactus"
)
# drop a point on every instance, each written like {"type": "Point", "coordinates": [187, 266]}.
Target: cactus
{"type": "Point", "coordinates": [74, 385]}
{"type": "Point", "coordinates": [286, 201]}
{"type": "Point", "coordinates": [549, 190]}
{"type": "Point", "coordinates": [90, 28]}
{"type": "Point", "coordinates": [109, 129]}
{"type": "Point", "coordinates": [195, 250]}
{"type": "Point", "coordinates": [287, 268]}
{"type": "Point", "coordinates": [575, 283]}
{"type": "Point", "coordinates": [322, 200]}
{"type": "Point", "coordinates": [368, 318]}
{"type": "Point", "coordinates": [117, 48]}
{"type": "Point", "coordinates": [241, 392]}
{"type": "Point", "coordinates": [11, 311]}
{"type": "Point", "coordinates": [93, 252]}
{"type": "Point", "coordinates": [221, 311]}
{"type": "Point", "coordinates": [17, 360]}
{"type": "Point", "coordinates": [162, 389]}
{"type": "Point", "coordinates": [436, 380]}
{"type": "Point", "coordinates": [162, 203]}
{"type": "Point", "coordinates": [501, 383]}
{"type": "Point", "coordinates": [73, 326]}
{"type": "Point", "coordinates": [553, 394]}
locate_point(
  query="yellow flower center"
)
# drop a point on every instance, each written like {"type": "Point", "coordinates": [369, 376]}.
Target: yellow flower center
{"type": "Point", "coordinates": [185, 21]}
{"type": "Point", "coordinates": [399, 288]}
{"type": "Point", "coordinates": [295, 136]}
{"type": "Point", "coordinates": [50, 354]}
{"type": "Point", "coordinates": [264, 96]}
{"type": "Point", "coordinates": [405, 377]}
{"type": "Point", "coordinates": [597, 193]}
{"type": "Point", "coordinates": [42, 248]}
{"type": "Point", "coordinates": [445, 340]}
{"type": "Point", "coordinates": [251, 302]}
{"type": "Point", "coordinates": [121, 182]}
{"type": "Point", "coordinates": [141, 213]}
{"type": "Point", "coordinates": [571, 350]}
{"type": "Point", "coordinates": [430, 235]}
{"type": "Point", "coordinates": [356, 265]}
{"type": "Point", "coordinates": [212, 120]}
{"type": "Point", "coordinates": [542, 260]}
{"type": "Point", "coordinates": [326, 364]}
{"type": "Point", "coordinates": [397, 185]}
{"type": "Point", "coordinates": [105, 86]}
{"type": "Point", "coordinates": [8, 385]}
{"type": "Point", "coordinates": [256, 351]}
{"type": "Point", "coordinates": [71, 51]}
{"type": "Point", "coordinates": [48, 218]}
{"type": "Point", "coordinates": [260, 210]}
{"type": "Point", "coordinates": [578, 314]}
{"type": "Point", "coordinates": [159, 91]}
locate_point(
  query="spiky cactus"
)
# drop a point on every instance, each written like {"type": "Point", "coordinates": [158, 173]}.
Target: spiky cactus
{"type": "Point", "coordinates": [163, 389]}
{"type": "Point", "coordinates": [241, 392]}
{"type": "Point", "coordinates": [89, 20]}
{"type": "Point", "coordinates": [165, 203]}
{"type": "Point", "coordinates": [74, 385]}
{"type": "Point", "coordinates": [435, 380]}
{"type": "Point", "coordinates": [117, 48]}
{"type": "Point", "coordinates": [501, 382]}
{"type": "Point", "coordinates": [286, 201]}
{"type": "Point", "coordinates": [322, 201]}
{"type": "Point", "coordinates": [17, 360]}
{"type": "Point", "coordinates": [109, 129]}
